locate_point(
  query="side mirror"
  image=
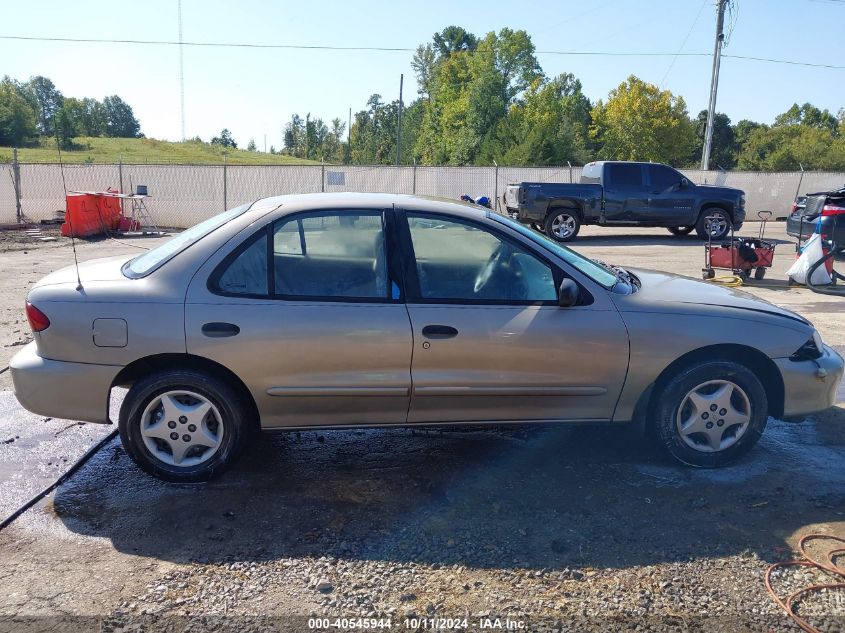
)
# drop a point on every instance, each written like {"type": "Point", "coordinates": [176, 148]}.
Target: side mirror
{"type": "Point", "coordinates": [568, 294]}
{"type": "Point", "coordinates": [683, 184]}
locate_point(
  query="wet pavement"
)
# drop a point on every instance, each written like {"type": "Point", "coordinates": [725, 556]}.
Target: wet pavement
{"type": "Point", "coordinates": [35, 451]}
{"type": "Point", "coordinates": [545, 497]}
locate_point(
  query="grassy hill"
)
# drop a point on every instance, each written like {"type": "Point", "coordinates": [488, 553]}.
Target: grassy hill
{"type": "Point", "coordinates": [145, 150]}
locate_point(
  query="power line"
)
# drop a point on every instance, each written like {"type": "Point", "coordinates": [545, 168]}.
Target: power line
{"type": "Point", "coordinates": [684, 43]}
{"type": "Point", "coordinates": [397, 49]}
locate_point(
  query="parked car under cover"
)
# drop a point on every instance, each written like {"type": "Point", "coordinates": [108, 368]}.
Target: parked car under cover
{"type": "Point", "coordinates": [352, 310]}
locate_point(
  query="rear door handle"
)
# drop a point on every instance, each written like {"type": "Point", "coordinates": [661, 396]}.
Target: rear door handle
{"type": "Point", "coordinates": [439, 331]}
{"type": "Point", "coordinates": [216, 329]}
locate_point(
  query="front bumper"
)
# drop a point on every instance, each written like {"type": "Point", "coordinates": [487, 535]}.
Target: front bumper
{"type": "Point", "coordinates": [805, 390]}
{"type": "Point", "coordinates": [60, 389]}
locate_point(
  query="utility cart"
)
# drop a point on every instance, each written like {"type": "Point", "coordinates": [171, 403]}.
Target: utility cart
{"type": "Point", "coordinates": [740, 255]}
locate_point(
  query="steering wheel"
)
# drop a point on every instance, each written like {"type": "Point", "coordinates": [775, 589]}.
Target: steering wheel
{"type": "Point", "coordinates": [499, 258]}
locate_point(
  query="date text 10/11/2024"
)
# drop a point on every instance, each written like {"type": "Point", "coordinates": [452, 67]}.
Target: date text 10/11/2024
{"type": "Point", "coordinates": [416, 624]}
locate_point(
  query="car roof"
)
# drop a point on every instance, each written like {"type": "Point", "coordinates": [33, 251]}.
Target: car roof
{"type": "Point", "coordinates": [290, 203]}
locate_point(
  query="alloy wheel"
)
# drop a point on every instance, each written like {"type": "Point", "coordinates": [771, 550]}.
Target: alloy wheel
{"type": "Point", "coordinates": [716, 225]}
{"type": "Point", "coordinates": [563, 226]}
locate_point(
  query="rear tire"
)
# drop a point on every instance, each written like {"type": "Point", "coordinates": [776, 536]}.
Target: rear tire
{"type": "Point", "coordinates": [715, 223]}
{"type": "Point", "coordinates": [183, 425]}
{"type": "Point", "coordinates": [681, 230]}
{"type": "Point", "coordinates": [562, 224]}
{"type": "Point", "coordinates": [759, 273]}
{"type": "Point", "coordinates": [692, 431]}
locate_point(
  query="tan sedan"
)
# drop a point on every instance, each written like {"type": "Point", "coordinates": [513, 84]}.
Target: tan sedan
{"type": "Point", "coordinates": [352, 310]}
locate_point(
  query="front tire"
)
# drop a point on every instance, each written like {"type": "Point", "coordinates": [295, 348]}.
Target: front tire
{"type": "Point", "coordinates": [713, 223]}
{"type": "Point", "coordinates": [711, 413]}
{"type": "Point", "coordinates": [562, 225]}
{"type": "Point", "coordinates": [183, 425]}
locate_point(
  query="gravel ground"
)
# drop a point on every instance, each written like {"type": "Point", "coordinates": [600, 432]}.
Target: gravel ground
{"type": "Point", "coordinates": [571, 529]}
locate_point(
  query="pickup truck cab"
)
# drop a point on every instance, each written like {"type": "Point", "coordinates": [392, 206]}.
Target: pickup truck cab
{"type": "Point", "coordinates": [615, 193]}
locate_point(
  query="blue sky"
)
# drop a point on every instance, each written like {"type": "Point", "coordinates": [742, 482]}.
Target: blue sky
{"type": "Point", "coordinates": [254, 91]}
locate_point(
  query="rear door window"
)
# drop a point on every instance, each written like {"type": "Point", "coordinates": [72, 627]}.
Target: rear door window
{"type": "Point", "coordinates": [331, 255]}
{"type": "Point", "coordinates": [625, 176]}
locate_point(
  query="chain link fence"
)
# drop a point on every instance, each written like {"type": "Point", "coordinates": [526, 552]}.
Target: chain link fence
{"type": "Point", "coordinates": [182, 195]}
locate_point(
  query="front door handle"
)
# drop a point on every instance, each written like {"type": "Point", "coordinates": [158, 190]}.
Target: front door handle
{"type": "Point", "coordinates": [217, 329]}
{"type": "Point", "coordinates": [439, 331]}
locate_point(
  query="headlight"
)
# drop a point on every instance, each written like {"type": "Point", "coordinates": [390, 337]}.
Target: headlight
{"type": "Point", "coordinates": [742, 201]}
{"type": "Point", "coordinates": [810, 350]}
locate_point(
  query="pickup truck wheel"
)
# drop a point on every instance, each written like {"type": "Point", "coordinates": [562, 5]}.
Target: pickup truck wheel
{"type": "Point", "coordinates": [711, 413]}
{"type": "Point", "coordinates": [681, 230]}
{"type": "Point", "coordinates": [562, 225]}
{"type": "Point", "coordinates": [713, 223]}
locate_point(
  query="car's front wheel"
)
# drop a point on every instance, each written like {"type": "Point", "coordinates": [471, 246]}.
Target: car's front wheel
{"type": "Point", "coordinates": [714, 224]}
{"type": "Point", "coordinates": [711, 413]}
{"type": "Point", "coordinates": [183, 425]}
{"type": "Point", "coordinates": [562, 225]}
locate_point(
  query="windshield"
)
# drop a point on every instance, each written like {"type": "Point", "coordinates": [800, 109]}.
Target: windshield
{"type": "Point", "coordinates": [592, 269]}
{"type": "Point", "coordinates": [149, 261]}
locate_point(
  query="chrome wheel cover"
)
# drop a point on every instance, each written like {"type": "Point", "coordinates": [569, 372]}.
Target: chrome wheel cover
{"type": "Point", "coordinates": [182, 428]}
{"type": "Point", "coordinates": [713, 416]}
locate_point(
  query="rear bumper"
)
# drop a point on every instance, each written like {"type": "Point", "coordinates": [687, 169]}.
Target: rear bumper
{"type": "Point", "coordinates": [805, 391]}
{"type": "Point", "coordinates": [60, 389]}
{"type": "Point", "coordinates": [796, 228]}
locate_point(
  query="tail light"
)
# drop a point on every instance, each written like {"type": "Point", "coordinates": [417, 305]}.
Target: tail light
{"type": "Point", "coordinates": [38, 321]}
{"type": "Point", "coordinates": [832, 209]}
{"type": "Point", "coordinates": [794, 207]}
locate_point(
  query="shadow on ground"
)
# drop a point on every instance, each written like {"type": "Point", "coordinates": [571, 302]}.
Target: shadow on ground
{"type": "Point", "coordinates": [659, 239]}
{"type": "Point", "coordinates": [546, 497]}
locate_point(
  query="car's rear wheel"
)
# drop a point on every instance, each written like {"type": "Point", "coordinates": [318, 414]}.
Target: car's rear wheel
{"type": "Point", "coordinates": [562, 225]}
{"type": "Point", "coordinates": [711, 413]}
{"type": "Point", "coordinates": [183, 425]}
{"type": "Point", "coordinates": [713, 223]}
{"type": "Point", "coordinates": [681, 230]}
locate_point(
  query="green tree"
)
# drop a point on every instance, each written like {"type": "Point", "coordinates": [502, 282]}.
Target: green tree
{"type": "Point", "coordinates": [47, 99]}
{"type": "Point", "coordinates": [225, 139]}
{"type": "Point", "coordinates": [64, 126]}
{"type": "Point", "coordinates": [373, 133]}
{"type": "Point", "coordinates": [801, 136]}
{"type": "Point", "coordinates": [454, 39]}
{"type": "Point", "coordinates": [641, 122]}
{"type": "Point", "coordinates": [119, 119]}
{"type": "Point", "coordinates": [548, 127]}
{"type": "Point", "coordinates": [294, 137]}
{"type": "Point", "coordinates": [808, 115]}
{"type": "Point", "coordinates": [17, 115]}
{"type": "Point", "coordinates": [469, 87]}
{"type": "Point", "coordinates": [251, 147]}
{"type": "Point", "coordinates": [723, 149]}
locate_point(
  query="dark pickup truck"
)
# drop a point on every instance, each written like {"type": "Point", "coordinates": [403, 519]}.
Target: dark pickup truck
{"type": "Point", "coordinates": [627, 194]}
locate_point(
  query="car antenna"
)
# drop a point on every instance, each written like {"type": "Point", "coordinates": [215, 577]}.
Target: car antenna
{"type": "Point", "coordinates": [68, 215]}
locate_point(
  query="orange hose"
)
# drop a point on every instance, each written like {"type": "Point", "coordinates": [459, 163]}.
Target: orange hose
{"type": "Point", "coordinates": [828, 566]}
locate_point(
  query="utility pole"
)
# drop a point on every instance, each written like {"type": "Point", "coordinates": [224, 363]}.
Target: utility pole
{"type": "Point", "coordinates": [399, 124]}
{"type": "Point", "coordinates": [265, 143]}
{"type": "Point", "coordinates": [349, 138]}
{"type": "Point", "coordinates": [714, 82]}
{"type": "Point", "coordinates": [181, 71]}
